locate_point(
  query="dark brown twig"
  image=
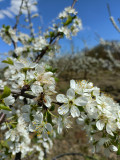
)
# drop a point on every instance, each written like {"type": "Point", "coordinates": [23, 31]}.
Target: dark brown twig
{"type": "Point", "coordinates": [18, 156]}
{"type": "Point", "coordinates": [44, 51]}
{"type": "Point", "coordinates": [16, 93]}
{"type": "Point", "coordinates": [16, 24]}
{"type": "Point", "coordinates": [26, 95]}
{"type": "Point", "coordinates": [18, 16]}
{"type": "Point", "coordinates": [109, 11]}
{"type": "Point", "coordinates": [73, 154]}
{"type": "Point", "coordinates": [20, 93]}
{"type": "Point", "coordinates": [29, 19]}
{"type": "Point", "coordinates": [2, 118]}
{"type": "Point", "coordinates": [53, 41]}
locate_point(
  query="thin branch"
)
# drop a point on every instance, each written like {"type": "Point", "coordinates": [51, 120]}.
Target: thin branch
{"type": "Point", "coordinates": [112, 19]}
{"type": "Point", "coordinates": [18, 16]}
{"type": "Point", "coordinates": [53, 41]}
{"type": "Point", "coordinates": [73, 154]}
{"type": "Point", "coordinates": [16, 93]}
{"type": "Point", "coordinates": [58, 103]}
{"type": "Point", "coordinates": [29, 19]}
{"type": "Point", "coordinates": [44, 51]}
{"type": "Point", "coordinates": [119, 20]}
{"type": "Point", "coordinates": [73, 3]}
{"type": "Point", "coordinates": [16, 24]}
{"type": "Point", "coordinates": [26, 95]}
{"type": "Point", "coordinates": [15, 27]}
{"type": "Point", "coordinates": [2, 118]}
{"type": "Point", "coordinates": [20, 93]}
{"type": "Point", "coordinates": [109, 11]}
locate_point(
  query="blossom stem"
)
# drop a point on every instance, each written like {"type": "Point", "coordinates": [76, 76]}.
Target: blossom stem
{"type": "Point", "coordinates": [2, 117]}
{"type": "Point", "coordinates": [52, 114]}
{"type": "Point", "coordinates": [73, 3]}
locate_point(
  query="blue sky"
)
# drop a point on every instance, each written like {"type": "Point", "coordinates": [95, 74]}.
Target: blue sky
{"type": "Point", "coordinates": [94, 15]}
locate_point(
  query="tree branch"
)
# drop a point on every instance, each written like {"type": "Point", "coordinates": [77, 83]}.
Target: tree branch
{"type": "Point", "coordinates": [73, 154]}
{"type": "Point", "coordinates": [29, 19]}
{"type": "Point", "coordinates": [15, 26]}
{"type": "Point", "coordinates": [20, 93]}
{"type": "Point", "coordinates": [26, 95]}
{"type": "Point", "coordinates": [44, 51]}
{"type": "Point", "coordinates": [2, 118]}
{"type": "Point", "coordinates": [112, 19]}
{"type": "Point", "coordinates": [18, 16]}
{"type": "Point", "coordinates": [109, 11]}
{"type": "Point", "coordinates": [73, 3]}
{"type": "Point", "coordinates": [56, 38]}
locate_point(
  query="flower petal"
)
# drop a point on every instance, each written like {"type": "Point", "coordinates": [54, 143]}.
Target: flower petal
{"type": "Point", "coordinates": [38, 117]}
{"type": "Point", "coordinates": [100, 125]}
{"type": "Point", "coordinates": [70, 93]}
{"type": "Point", "coordinates": [72, 84]}
{"type": "Point", "coordinates": [45, 135]}
{"type": "Point", "coordinates": [75, 111]}
{"type": "Point", "coordinates": [61, 98]}
{"type": "Point", "coordinates": [81, 101]}
{"type": "Point", "coordinates": [36, 89]}
{"type": "Point", "coordinates": [109, 130]}
{"type": "Point", "coordinates": [26, 117]}
{"type": "Point", "coordinates": [113, 148]}
{"type": "Point", "coordinates": [63, 109]}
{"type": "Point", "coordinates": [48, 126]}
{"type": "Point", "coordinates": [9, 100]}
{"type": "Point", "coordinates": [47, 101]}
{"type": "Point", "coordinates": [26, 108]}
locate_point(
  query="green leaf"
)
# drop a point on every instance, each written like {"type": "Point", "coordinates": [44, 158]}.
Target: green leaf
{"type": "Point", "coordinates": [49, 118]}
{"type": "Point", "coordinates": [69, 20]}
{"type": "Point", "coordinates": [25, 69]}
{"type": "Point", "coordinates": [51, 34]}
{"type": "Point", "coordinates": [52, 108]}
{"type": "Point", "coordinates": [81, 108]}
{"type": "Point", "coordinates": [56, 79]}
{"type": "Point", "coordinates": [3, 26]}
{"type": "Point", "coordinates": [54, 70]}
{"type": "Point", "coordinates": [7, 28]}
{"type": "Point", "coordinates": [8, 61]}
{"type": "Point", "coordinates": [2, 106]}
{"type": "Point", "coordinates": [5, 93]}
{"type": "Point", "coordinates": [118, 152]}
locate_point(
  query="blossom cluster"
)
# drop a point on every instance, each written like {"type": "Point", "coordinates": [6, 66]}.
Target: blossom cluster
{"type": "Point", "coordinates": [29, 99]}
{"type": "Point", "coordinates": [90, 64]}
{"type": "Point", "coordinates": [8, 34]}
{"type": "Point", "coordinates": [99, 114]}
{"type": "Point", "coordinates": [27, 117]}
{"type": "Point", "coordinates": [67, 16]}
{"type": "Point", "coordinates": [68, 25]}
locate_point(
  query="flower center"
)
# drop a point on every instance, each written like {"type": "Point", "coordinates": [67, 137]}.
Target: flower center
{"type": "Point", "coordinates": [70, 102]}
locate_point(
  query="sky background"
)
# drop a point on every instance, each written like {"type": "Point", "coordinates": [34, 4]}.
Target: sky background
{"type": "Point", "coordinates": [94, 15]}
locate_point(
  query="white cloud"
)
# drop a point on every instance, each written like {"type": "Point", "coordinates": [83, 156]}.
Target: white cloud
{"type": "Point", "coordinates": [13, 9]}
